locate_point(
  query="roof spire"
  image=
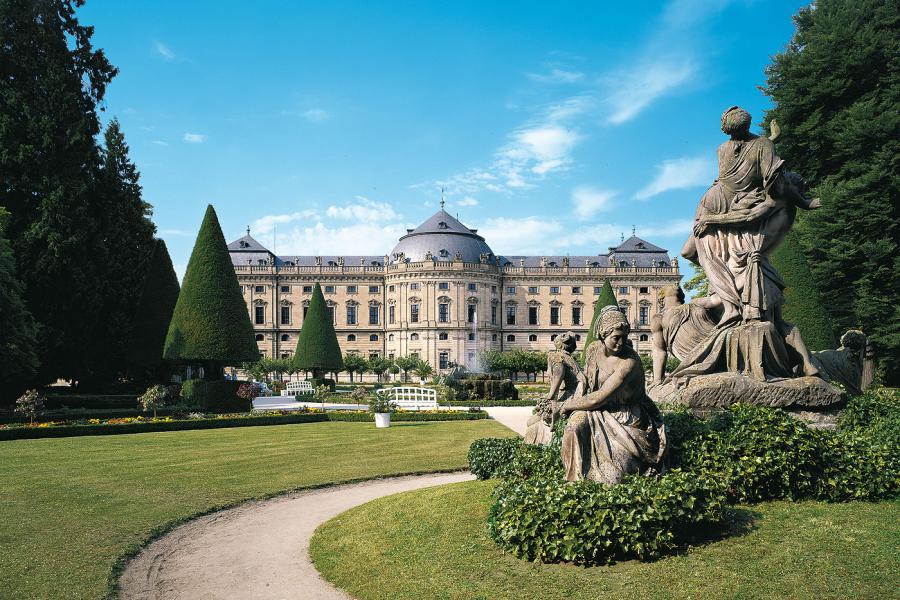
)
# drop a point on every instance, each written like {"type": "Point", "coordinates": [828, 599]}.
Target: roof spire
{"type": "Point", "coordinates": [623, 236]}
{"type": "Point", "coordinates": [248, 230]}
{"type": "Point", "coordinates": [632, 230]}
{"type": "Point", "coordinates": [442, 197]}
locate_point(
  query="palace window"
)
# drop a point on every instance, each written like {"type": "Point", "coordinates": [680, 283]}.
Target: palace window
{"type": "Point", "coordinates": [443, 360]}
{"type": "Point", "coordinates": [259, 337]}
{"type": "Point", "coordinates": [414, 337]}
{"type": "Point", "coordinates": [577, 337]}
{"type": "Point", "coordinates": [532, 338]}
{"type": "Point", "coordinates": [285, 337]}
{"type": "Point", "coordinates": [510, 289]}
{"type": "Point", "coordinates": [470, 313]}
{"type": "Point", "coordinates": [259, 314]}
{"type": "Point", "coordinates": [373, 355]}
{"type": "Point", "coordinates": [390, 288]}
{"type": "Point", "coordinates": [444, 285]}
{"type": "Point", "coordinates": [532, 289]}
{"type": "Point", "coordinates": [643, 338]}
{"type": "Point", "coordinates": [473, 287]}
{"type": "Point", "coordinates": [259, 289]}
{"type": "Point", "coordinates": [493, 337]}
{"type": "Point", "coordinates": [351, 337]}
{"type": "Point", "coordinates": [596, 290]}
{"type": "Point", "coordinates": [305, 309]}
{"type": "Point", "coordinates": [554, 289]}
{"type": "Point", "coordinates": [554, 315]}
{"type": "Point", "coordinates": [285, 289]}
{"type": "Point", "coordinates": [391, 314]}
{"type": "Point", "coordinates": [471, 337]}
{"type": "Point", "coordinates": [373, 315]}
{"type": "Point", "coordinates": [623, 290]}
{"type": "Point", "coordinates": [576, 315]}
{"type": "Point", "coordinates": [414, 286]}
{"type": "Point", "coordinates": [373, 337]}
{"type": "Point", "coordinates": [645, 290]}
{"type": "Point", "coordinates": [331, 313]}
{"type": "Point", "coordinates": [576, 289]}
{"type": "Point", "coordinates": [285, 315]}
{"type": "Point", "coordinates": [351, 315]}
{"type": "Point", "coordinates": [373, 289]}
{"type": "Point", "coordinates": [351, 289]}
{"type": "Point", "coordinates": [532, 315]}
{"type": "Point", "coordinates": [510, 338]}
{"type": "Point", "coordinates": [643, 315]}
{"type": "Point", "coordinates": [511, 314]}
{"type": "Point", "coordinates": [414, 313]}
{"type": "Point", "coordinates": [493, 289]}
{"type": "Point", "coordinates": [443, 312]}
{"type": "Point", "coordinates": [307, 289]}
{"type": "Point", "coordinates": [493, 315]}
{"type": "Point", "coordinates": [414, 354]}
{"type": "Point", "coordinates": [443, 335]}
{"type": "Point", "coordinates": [329, 289]}
{"type": "Point", "coordinates": [391, 337]}
{"type": "Point", "coordinates": [553, 337]}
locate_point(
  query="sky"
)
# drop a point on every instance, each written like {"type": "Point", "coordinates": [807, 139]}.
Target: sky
{"type": "Point", "coordinates": [331, 127]}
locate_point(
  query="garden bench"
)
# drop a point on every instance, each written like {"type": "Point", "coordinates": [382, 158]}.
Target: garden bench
{"type": "Point", "coordinates": [296, 388]}
{"type": "Point", "coordinates": [412, 398]}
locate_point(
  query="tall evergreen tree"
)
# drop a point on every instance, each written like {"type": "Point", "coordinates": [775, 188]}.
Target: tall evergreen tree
{"type": "Point", "coordinates": [18, 332]}
{"type": "Point", "coordinates": [51, 82]}
{"type": "Point", "coordinates": [606, 298]}
{"type": "Point", "coordinates": [317, 346]}
{"type": "Point", "coordinates": [210, 324]}
{"type": "Point", "coordinates": [836, 91]}
{"type": "Point", "coordinates": [154, 313]}
{"type": "Point", "coordinates": [802, 302]}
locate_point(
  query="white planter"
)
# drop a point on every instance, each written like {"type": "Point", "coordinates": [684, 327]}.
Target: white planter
{"type": "Point", "coordinates": [382, 419]}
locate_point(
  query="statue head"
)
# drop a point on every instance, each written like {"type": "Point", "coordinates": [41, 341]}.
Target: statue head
{"type": "Point", "coordinates": [736, 121]}
{"type": "Point", "coordinates": [565, 342]}
{"type": "Point", "coordinates": [672, 291]}
{"type": "Point", "coordinates": [854, 339]}
{"type": "Point", "coordinates": [612, 329]}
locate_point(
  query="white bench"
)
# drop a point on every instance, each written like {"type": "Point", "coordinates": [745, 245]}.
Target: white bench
{"type": "Point", "coordinates": [297, 388]}
{"type": "Point", "coordinates": [411, 398]}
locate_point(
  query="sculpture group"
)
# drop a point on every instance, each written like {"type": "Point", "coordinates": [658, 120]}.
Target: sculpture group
{"type": "Point", "coordinates": [734, 344]}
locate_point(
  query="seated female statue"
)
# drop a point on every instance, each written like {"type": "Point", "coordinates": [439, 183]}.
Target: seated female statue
{"type": "Point", "coordinates": [614, 429]}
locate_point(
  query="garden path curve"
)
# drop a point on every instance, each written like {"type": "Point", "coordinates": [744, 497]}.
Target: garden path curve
{"type": "Point", "coordinates": [256, 550]}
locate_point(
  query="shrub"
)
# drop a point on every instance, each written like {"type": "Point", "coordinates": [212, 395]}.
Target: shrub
{"type": "Point", "coordinates": [380, 403]}
{"type": "Point", "coordinates": [215, 396]}
{"type": "Point", "coordinates": [30, 404]}
{"type": "Point", "coordinates": [589, 523]}
{"type": "Point", "coordinates": [153, 398]}
{"type": "Point", "coordinates": [249, 390]}
{"type": "Point", "coordinates": [490, 457]}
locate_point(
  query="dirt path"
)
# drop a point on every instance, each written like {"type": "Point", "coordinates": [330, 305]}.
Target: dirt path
{"type": "Point", "coordinates": [259, 550]}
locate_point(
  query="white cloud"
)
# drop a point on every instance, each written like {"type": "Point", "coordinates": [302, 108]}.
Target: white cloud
{"type": "Point", "coordinates": [679, 174]}
{"type": "Point", "coordinates": [175, 232]}
{"type": "Point", "coordinates": [265, 225]}
{"type": "Point", "coordinates": [159, 143]}
{"type": "Point", "coordinates": [363, 209]}
{"type": "Point", "coordinates": [673, 228]}
{"type": "Point", "coordinates": [467, 201]}
{"type": "Point", "coordinates": [165, 52]}
{"type": "Point", "coordinates": [556, 75]}
{"type": "Point", "coordinates": [194, 138]}
{"type": "Point", "coordinates": [589, 200]}
{"type": "Point", "coordinates": [525, 235]}
{"type": "Point", "coordinates": [316, 115]}
{"type": "Point", "coordinates": [636, 88]}
{"type": "Point", "coordinates": [318, 238]}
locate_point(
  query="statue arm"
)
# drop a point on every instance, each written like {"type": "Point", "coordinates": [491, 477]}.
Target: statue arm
{"type": "Point", "coordinates": [738, 216]}
{"type": "Point", "coordinates": [659, 352]}
{"type": "Point", "coordinates": [556, 378]}
{"type": "Point", "coordinates": [597, 399]}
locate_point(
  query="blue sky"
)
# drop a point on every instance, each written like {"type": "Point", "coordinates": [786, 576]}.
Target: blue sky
{"type": "Point", "coordinates": [330, 127]}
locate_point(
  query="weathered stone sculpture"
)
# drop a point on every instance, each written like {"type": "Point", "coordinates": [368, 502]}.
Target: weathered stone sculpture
{"type": "Point", "coordinates": [566, 381]}
{"type": "Point", "coordinates": [851, 365]}
{"type": "Point", "coordinates": [734, 344]}
{"type": "Point", "coordinates": [614, 429]}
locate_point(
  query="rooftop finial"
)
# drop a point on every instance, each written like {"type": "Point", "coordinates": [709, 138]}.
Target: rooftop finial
{"type": "Point", "coordinates": [632, 230]}
{"type": "Point", "coordinates": [623, 236]}
{"type": "Point", "coordinates": [248, 230]}
{"type": "Point", "coordinates": [442, 197]}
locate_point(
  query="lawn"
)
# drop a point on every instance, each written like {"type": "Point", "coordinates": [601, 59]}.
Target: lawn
{"type": "Point", "coordinates": [433, 544]}
{"type": "Point", "coordinates": [72, 506]}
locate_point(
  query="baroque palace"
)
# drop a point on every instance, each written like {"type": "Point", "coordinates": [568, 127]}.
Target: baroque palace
{"type": "Point", "coordinates": [444, 296]}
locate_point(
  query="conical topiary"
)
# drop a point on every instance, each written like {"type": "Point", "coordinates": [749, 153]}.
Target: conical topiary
{"type": "Point", "coordinates": [606, 298]}
{"type": "Point", "coordinates": [210, 323]}
{"type": "Point", "coordinates": [802, 301]}
{"type": "Point", "coordinates": [154, 313]}
{"type": "Point", "coordinates": [317, 346]}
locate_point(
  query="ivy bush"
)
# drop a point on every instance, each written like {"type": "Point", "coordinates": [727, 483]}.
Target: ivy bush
{"type": "Point", "coordinates": [491, 457]}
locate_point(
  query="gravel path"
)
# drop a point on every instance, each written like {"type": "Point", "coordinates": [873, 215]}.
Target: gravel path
{"type": "Point", "coordinates": [259, 550]}
{"type": "Point", "coordinates": [514, 417]}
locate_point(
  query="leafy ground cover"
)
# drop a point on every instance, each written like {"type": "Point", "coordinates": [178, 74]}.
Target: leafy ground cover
{"type": "Point", "coordinates": [71, 507]}
{"type": "Point", "coordinates": [434, 543]}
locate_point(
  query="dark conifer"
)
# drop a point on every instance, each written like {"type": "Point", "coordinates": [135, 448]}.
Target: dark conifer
{"type": "Point", "coordinates": [606, 298]}
{"type": "Point", "coordinates": [210, 324]}
{"type": "Point", "coordinates": [154, 313]}
{"type": "Point", "coordinates": [317, 347]}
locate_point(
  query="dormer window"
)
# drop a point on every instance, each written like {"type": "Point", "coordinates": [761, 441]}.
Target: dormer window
{"type": "Point", "coordinates": [444, 253]}
{"type": "Point", "coordinates": [443, 225]}
{"type": "Point", "coordinates": [244, 244]}
{"type": "Point", "coordinates": [640, 245]}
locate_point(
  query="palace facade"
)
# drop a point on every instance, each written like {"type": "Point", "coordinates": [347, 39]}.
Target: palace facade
{"type": "Point", "coordinates": [443, 295]}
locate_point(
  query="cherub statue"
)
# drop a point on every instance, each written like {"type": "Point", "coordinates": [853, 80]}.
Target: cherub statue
{"type": "Point", "coordinates": [566, 381]}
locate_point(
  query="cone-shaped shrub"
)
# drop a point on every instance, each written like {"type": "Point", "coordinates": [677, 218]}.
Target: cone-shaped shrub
{"type": "Point", "coordinates": [154, 313]}
{"type": "Point", "coordinates": [210, 323]}
{"type": "Point", "coordinates": [802, 301]}
{"type": "Point", "coordinates": [317, 346]}
{"type": "Point", "coordinates": [606, 298]}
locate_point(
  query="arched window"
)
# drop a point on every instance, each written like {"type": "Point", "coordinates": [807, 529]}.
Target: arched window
{"type": "Point", "coordinates": [553, 337]}
{"type": "Point", "coordinates": [373, 337]}
{"type": "Point", "coordinates": [510, 338]}
{"type": "Point", "coordinates": [351, 337]}
{"type": "Point", "coordinates": [532, 338]}
{"type": "Point", "coordinates": [259, 337]}
{"type": "Point", "coordinates": [285, 337]}
{"type": "Point", "coordinates": [391, 337]}
{"type": "Point", "coordinates": [413, 337]}
{"type": "Point", "coordinates": [644, 337]}
{"type": "Point", "coordinates": [577, 337]}
{"type": "Point", "coordinates": [442, 335]}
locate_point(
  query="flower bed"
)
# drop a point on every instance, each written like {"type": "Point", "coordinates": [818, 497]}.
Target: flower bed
{"type": "Point", "coordinates": [140, 424]}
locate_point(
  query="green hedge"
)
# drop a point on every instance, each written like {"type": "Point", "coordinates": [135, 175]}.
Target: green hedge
{"type": "Point", "coordinates": [488, 457]}
{"type": "Point", "coordinates": [215, 396]}
{"type": "Point", "coordinates": [99, 413]}
{"type": "Point", "coordinates": [90, 401]}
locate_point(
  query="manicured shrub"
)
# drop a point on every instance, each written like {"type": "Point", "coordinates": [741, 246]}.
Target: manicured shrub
{"type": "Point", "coordinates": [606, 298]}
{"type": "Point", "coordinates": [153, 399]}
{"type": "Point", "coordinates": [588, 523]}
{"type": "Point", "coordinates": [215, 396]}
{"type": "Point", "coordinates": [317, 345]}
{"type": "Point", "coordinates": [490, 457]}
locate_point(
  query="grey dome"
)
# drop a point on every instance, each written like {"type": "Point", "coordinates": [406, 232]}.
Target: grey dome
{"type": "Point", "coordinates": [443, 236]}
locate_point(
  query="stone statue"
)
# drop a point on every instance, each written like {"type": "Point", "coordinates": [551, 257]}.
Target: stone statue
{"type": "Point", "coordinates": [565, 261]}
{"type": "Point", "coordinates": [566, 381]}
{"type": "Point", "coordinates": [851, 365]}
{"type": "Point", "coordinates": [429, 255]}
{"type": "Point", "coordinates": [614, 429]}
{"type": "Point", "coordinates": [458, 256]}
{"type": "Point", "coordinates": [340, 261]}
{"type": "Point", "coordinates": [679, 328]}
{"type": "Point", "coordinates": [318, 261]}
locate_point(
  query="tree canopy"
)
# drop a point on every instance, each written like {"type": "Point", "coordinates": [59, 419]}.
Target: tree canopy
{"type": "Point", "coordinates": [210, 323]}
{"type": "Point", "coordinates": [836, 95]}
{"type": "Point", "coordinates": [317, 346]}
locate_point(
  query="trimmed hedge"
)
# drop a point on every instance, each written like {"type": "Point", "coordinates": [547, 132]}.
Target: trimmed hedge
{"type": "Point", "coordinates": [54, 401]}
{"type": "Point", "coordinates": [317, 345]}
{"type": "Point", "coordinates": [215, 396]}
{"type": "Point", "coordinates": [100, 413]}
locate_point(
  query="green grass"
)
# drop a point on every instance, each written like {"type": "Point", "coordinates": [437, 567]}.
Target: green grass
{"type": "Point", "coordinates": [70, 507]}
{"type": "Point", "coordinates": [433, 543]}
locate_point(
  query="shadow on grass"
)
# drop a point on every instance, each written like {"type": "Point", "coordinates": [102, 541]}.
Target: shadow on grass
{"type": "Point", "coordinates": [738, 523]}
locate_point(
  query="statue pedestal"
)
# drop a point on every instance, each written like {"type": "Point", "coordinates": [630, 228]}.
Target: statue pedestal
{"type": "Point", "coordinates": [809, 398]}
